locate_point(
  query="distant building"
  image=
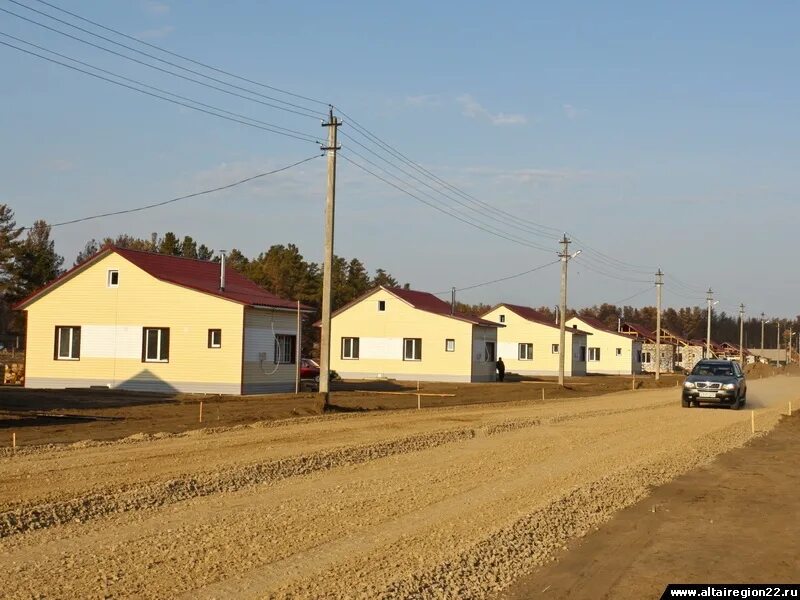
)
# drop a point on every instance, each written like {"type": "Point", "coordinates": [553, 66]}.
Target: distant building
{"type": "Point", "coordinates": [609, 352]}
{"type": "Point", "coordinates": [529, 342]}
{"type": "Point", "coordinates": [687, 352]}
{"type": "Point", "coordinates": [649, 354]}
{"type": "Point", "coordinates": [410, 335]}
{"type": "Point", "coordinates": [132, 320]}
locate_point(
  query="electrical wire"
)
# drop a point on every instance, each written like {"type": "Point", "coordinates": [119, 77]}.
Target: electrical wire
{"type": "Point", "coordinates": [315, 115]}
{"type": "Point", "coordinates": [251, 122]}
{"type": "Point", "coordinates": [307, 112]}
{"type": "Point", "coordinates": [477, 285]}
{"type": "Point", "coordinates": [186, 197]}
{"type": "Point", "coordinates": [434, 205]}
{"type": "Point", "coordinates": [186, 58]}
{"type": "Point", "coordinates": [636, 295]}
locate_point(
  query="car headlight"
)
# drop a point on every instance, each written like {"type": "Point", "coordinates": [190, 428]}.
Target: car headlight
{"type": "Point", "coordinates": [688, 385]}
{"type": "Point", "coordinates": [729, 386]}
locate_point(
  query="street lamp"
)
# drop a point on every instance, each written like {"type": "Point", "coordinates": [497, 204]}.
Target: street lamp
{"type": "Point", "coordinates": [708, 321]}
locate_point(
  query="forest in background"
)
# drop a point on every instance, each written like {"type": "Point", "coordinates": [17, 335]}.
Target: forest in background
{"type": "Point", "coordinates": [28, 261]}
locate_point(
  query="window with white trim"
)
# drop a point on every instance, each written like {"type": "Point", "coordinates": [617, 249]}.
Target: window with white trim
{"type": "Point", "coordinates": [488, 351]}
{"type": "Point", "coordinates": [594, 354]}
{"type": "Point", "coordinates": [285, 347]}
{"type": "Point", "coordinates": [68, 343]}
{"type": "Point", "coordinates": [449, 345]}
{"type": "Point", "coordinates": [412, 349]}
{"type": "Point", "coordinates": [525, 352]}
{"type": "Point", "coordinates": [215, 338]}
{"type": "Point", "coordinates": [554, 348]}
{"type": "Point", "coordinates": [155, 344]}
{"type": "Point", "coordinates": [113, 278]}
{"type": "Point", "coordinates": [350, 348]}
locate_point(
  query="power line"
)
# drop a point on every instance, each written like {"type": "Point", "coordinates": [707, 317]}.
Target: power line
{"type": "Point", "coordinates": [251, 122]}
{"type": "Point", "coordinates": [175, 54]}
{"type": "Point", "coordinates": [187, 196]}
{"type": "Point", "coordinates": [636, 295]}
{"type": "Point", "coordinates": [307, 113]}
{"type": "Point", "coordinates": [436, 206]}
{"type": "Point", "coordinates": [477, 285]}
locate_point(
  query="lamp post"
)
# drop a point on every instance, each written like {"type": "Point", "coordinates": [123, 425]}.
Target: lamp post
{"type": "Point", "coordinates": [711, 302]}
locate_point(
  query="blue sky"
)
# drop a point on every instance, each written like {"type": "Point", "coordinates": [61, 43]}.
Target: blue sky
{"type": "Point", "coordinates": [659, 134]}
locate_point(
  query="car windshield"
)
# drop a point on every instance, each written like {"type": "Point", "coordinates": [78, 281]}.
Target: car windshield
{"type": "Point", "coordinates": [709, 369]}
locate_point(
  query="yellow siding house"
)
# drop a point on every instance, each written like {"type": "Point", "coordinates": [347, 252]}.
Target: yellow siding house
{"type": "Point", "coordinates": [403, 334]}
{"type": "Point", "coordinates": [135, 320]}
{"type": "Point", "coordinates": [529, 342]}
{"type": "Point", "coordinates": [609, 352]}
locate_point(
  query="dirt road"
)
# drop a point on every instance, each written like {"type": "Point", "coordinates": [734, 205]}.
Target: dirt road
{"type": "Point", "coordinates": [442, 503]}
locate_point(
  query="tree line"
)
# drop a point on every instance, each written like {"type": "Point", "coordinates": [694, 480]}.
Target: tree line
{"type": "Point", "coordinates": [28, 261]}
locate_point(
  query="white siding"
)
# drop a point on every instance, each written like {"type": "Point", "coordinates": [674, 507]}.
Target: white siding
{"type": "Point", "coordinates": [109, 341]}
{"type": "Point", "coordinates": [377, 347]}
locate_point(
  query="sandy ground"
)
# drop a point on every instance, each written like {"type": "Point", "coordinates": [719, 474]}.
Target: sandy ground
{"type": "Point", "coordinates": [63, 416]}
{"type": "Point", "coordinates": [736, 520]}
{"type": "Point", "coordinates": [441, 503]}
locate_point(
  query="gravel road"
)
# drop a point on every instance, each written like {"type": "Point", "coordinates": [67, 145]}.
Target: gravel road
{"type": "Point", "coordinates": [441, 503]}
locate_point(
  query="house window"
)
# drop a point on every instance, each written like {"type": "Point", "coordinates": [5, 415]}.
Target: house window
{"type": "Point", "coordinates": [502, 318]}
{"type": "Point", "coordinates": [679, 357]}
{"type": "Point", "coordinates": [412, 349]}
{"type": "Point", "coordinates": [215, 338]}
{"type": "Point", "coordinates": [526, 351]}
{"type": "Point", "coordinates": [638, 356]}
{"type": "Point", "coordinates": [554, 348]}
{"type": "Point", "coordinates": [68, 343]}
{"type": "Point", "coordinates": [488, 351]}
{"type": "Point", "coordinates": [450, 345]}
{"type": "Point", "coordinates": [646, 357]}
{"type": "Point", "coordinates": [594, 354]}
{"type": "Point", "coordinates": [350, 348]}
{"type": "Point", "coordinates": [155, 344]}
{"type": "Point", "coordinates": [583, 354]}
{"type": "Point", "coordinates": [113, 278]}
{"type": "Point", "coordinates": [619, 351]}
{"type": "Point", "coordinates": [381, 305]}
{"type": "Point", "coordinates": [285, 346]}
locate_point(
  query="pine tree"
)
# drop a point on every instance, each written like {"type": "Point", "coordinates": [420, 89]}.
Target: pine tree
{"type": "Point", "coordinates": [36, 262]}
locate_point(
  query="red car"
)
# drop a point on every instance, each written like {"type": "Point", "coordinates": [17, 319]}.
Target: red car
{"type": "Point", "coordinates": [309, 369]}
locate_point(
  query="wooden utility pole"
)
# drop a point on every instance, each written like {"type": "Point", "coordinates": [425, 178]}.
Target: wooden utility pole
{"type": "Point", "coordinates": [659, 284]}
{"type": "Point", "coordinates": [327, 265]}
{"type": "Point", "coordinates": [709, 298]}
{"type": "Point", "coordinates": [562, 309]}
{"type": "Point", "coordinates": [741, 335]}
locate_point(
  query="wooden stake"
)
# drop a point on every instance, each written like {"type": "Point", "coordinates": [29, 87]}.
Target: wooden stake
{"type": "Point", "coordinates": [752, 421]}
{"type": "Point", "coordinates": [790, 408]}
{"type": "Point", "coordinates": [201, 411]}
{"type": "Point", "coordinates": [542, 393]}
{"type": "Point", "coordinates": [419, 401]}
{"type": "Point", "coordinates": [14, 440]}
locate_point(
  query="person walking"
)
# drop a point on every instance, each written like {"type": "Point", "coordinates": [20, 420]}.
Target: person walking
{"type": "Point", "coordinates": [501, 369]}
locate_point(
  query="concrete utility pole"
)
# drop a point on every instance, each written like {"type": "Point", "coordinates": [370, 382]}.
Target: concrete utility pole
{"type": "Point", "coordinates": [565, 256]}
{"type": "Point", "coordinates": [562, 308]}
{"type": "Point", "coordinates": [741, 334]}
{"type": "Point", "coordinates": [762, 334]}
{"type": "Point", "coordinates": [659, 284]}
{"type": "Point", "coordinates": [327, 265]}
{"type": "Point", "coordinates": [778, 336]}
{"type": "Point", "coordinates": [709, 298]}
{"type": "Point", "coordinates": [452, 301]}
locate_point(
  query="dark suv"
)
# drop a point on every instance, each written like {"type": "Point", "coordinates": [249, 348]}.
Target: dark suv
{"type": "Point", "coordinates": [715, 382]}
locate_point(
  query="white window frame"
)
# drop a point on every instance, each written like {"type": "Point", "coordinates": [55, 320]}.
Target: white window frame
{"type": "Point", "coordinates": [211, 334]}
{"type": "Point", "coordinates": [74, 348]}
{"type": "Point", "coordinates": [350, 348]}
{"type": "Point", "coordinates": [593, 354]}
{"type": "Point", "coordinates": [449, 345]}
{"type": "Point", "coordinates": [525, 351]}
{"type": "Point", "coordinates": [416, 349]}
{"type": "Point", "coordinates": [554, 349]}
{"type": "Point", "coordinates": [159, 344]}
{"type": "Point", "coordinates": [110, 276]}
{"type": "Point", "coordinates": [284, 349]}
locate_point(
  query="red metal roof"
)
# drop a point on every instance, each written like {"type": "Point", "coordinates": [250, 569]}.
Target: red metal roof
{"type": "Point", "coordinates": [432, 304]}
{"type": "Point", "coordinates": [598, 324]}
{"type": "Point", "coordinates": [200, 275]}
{"type": "Point", "coordinates": [530, 314]}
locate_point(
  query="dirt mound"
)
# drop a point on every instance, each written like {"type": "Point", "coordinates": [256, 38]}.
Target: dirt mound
{"type": "Point", "coordinates": [761, 370]}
